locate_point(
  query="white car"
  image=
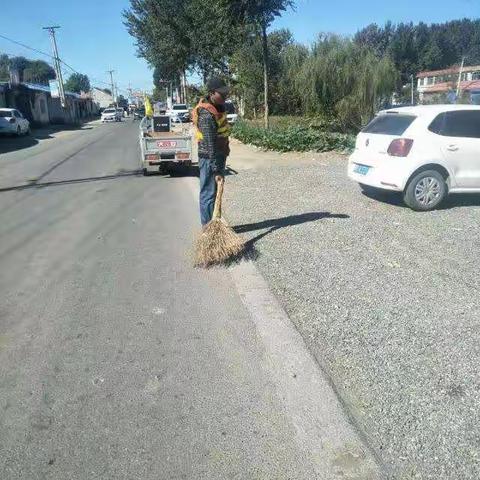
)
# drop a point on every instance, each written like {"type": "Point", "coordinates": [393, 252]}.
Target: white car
{"type": "Point", "coordinates": [232, 115]}
{"type": "Point", "coordinates": [111, 115]}
{"type": "Point", "coordinates": [178, 113]}
{"type": "Point", "coordinates": [13, 122]}
{"type": "Point", "coordinates": [425, 152]}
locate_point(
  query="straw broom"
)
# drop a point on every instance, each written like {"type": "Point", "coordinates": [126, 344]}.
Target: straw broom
{"type": "Point", "coordinates": [218, 242]}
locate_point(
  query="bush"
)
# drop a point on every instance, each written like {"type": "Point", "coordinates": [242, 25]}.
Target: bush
{"type": "Point", "coordinates": [326, 123]}
{"type": "Point", "coordinates": [294, 137]}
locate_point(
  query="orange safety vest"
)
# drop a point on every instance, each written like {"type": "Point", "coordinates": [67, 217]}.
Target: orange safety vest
{"type": "Point", "coordinates": [223, 127]}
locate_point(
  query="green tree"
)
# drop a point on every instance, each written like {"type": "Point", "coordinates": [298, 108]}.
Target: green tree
{"type": "Point", "coordinates": [247, 66]}
{"type": "Point", "coordinates": [376, 38]}
{"type": "Point", "coordinates": [432, 58]}
{"type": "Point", "coordinates": [290, 93]}
{"type": "Point", "coordinates": [423, 47]}
{"type": "Point", "coordinates": [38, 71]}
{"type": "Point", "coordinates": [20, 64]}
{"type": "Point", "coordinates": [159, 94]}
{"type": "Point", "coordinates": [35, 71]}
{"type": "Point", "coordinates": [122, 101]}
{"type": "Point", "coordinates": [161, 30]}
{"type": "Point", "coordinates": [77, 83]}
{"type": "Point", "coordinates": [4, 68]}
{"type": "Point", "coordinates": [346, 80]}
{"type": "Point", "coordinates": [175, 36]}
{"type": "Point", "coordinates": [260, 14]}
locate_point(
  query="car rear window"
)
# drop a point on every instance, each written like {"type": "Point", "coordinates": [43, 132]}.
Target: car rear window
{"type": "Point", "coordinates": [180, 107]}
{"type": "Point", "coordinates": [389, 124]}
{"type": "Point", "coordinates": [5, 113]}
{"type": "Point", "coordinates": [109, 110]}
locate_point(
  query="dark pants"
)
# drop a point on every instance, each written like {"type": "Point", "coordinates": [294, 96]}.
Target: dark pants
{"type": "Point", "coordinates": [208, 188]}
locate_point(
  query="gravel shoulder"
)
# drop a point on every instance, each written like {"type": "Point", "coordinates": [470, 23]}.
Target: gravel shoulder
{"type": "Point", "coordinates": [386, 299]}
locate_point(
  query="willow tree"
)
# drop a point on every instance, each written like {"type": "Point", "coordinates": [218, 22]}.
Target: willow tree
{"type": "Point", "coordinates": [346, 80]}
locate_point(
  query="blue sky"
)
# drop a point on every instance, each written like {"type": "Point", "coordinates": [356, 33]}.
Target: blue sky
{"type": "Point", "coordinates": [348, 16]}
{"type": "Point", "coordinates": [93, 38]}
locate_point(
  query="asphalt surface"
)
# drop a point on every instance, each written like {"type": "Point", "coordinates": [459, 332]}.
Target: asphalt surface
{"type": "Point", "coordinates": [118, 360]}
{"type": "Point", "coordinates": [386, 298]}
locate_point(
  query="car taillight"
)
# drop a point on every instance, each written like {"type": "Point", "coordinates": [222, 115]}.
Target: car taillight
{"type": "Point", "coordinates": [183, 156]}
{"type": "Point", "coordinates": [152, 156]}
{"type": "Point", "coordinates": [12, 120]}
{"type": "Point", "coordinates": [400, 147]}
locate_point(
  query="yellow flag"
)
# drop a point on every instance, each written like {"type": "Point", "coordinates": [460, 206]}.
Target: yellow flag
{"type": "Point", "coordinates": [148, 107]}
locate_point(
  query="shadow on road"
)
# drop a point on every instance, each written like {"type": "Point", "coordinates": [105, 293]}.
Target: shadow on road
{"type": "Point", "coordinates": [277, 223]}
{"type": "Point", "coordinates": [12, 143]}
{"type": "Point", "coordinates": [181, 171]}
{"type": "Point", "coordinates": [35, 184]}
{"type": "Point", "coordinates": [251, 253]}
{"type": "Point", "coordinates": [193, 171]}
{"type": "Point", "coordinates": [452, 201]}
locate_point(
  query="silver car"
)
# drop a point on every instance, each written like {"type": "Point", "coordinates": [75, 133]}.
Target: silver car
{"type": "Point", "coordinates": [13, 122]}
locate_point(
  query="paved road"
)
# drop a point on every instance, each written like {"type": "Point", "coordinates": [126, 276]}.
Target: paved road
{"type": "Point", "coordinates": [120, 361]}
{"type": "Point", "coordinates": [387, 298]}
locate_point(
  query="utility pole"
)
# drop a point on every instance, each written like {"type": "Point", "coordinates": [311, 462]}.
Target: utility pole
{"type": "Point", "coordinates": [57, 64]}
{"type": "Point", "coordinates": [460, 77]}
{"type": "Point", "coordinates": [413, 90]}
{"type": "Point", "coordinates": [114, 98]}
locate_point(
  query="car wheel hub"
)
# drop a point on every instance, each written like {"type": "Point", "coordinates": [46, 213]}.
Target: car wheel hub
{"type": "Point", "coordinates": [427, 191]}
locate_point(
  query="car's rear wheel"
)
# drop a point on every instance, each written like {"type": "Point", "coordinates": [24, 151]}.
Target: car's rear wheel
{"type": "Point", "coordinates": [426, 191]}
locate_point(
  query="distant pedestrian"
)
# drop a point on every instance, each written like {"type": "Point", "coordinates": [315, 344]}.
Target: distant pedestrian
{"type": "Point", "coordinates": [212, 133]}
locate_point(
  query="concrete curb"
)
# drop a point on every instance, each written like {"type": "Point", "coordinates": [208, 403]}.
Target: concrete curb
{"type": "Point", "coordinates": [323, 429]}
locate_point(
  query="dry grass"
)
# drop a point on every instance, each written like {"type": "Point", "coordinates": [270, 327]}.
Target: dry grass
{"type": "Point", "coordinates": [217, 244]}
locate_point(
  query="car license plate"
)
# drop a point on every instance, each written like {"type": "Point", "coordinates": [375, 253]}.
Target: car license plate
{"type": "Point", "coordinates": [361, 169]}
{"type": "Point", "coordinates": [166, 144]}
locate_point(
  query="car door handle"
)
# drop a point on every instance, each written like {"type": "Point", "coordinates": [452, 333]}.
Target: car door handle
{"type": "Point", "coordinates": [452, 148]}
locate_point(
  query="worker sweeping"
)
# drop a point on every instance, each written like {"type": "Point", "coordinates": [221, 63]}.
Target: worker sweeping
{"type": "Point", "coordinates": [218, 241]}
{"type": "Point", "coordinates": [212, 134]}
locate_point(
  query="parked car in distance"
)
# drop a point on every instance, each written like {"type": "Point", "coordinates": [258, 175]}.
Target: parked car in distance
{"type": "Point", "coordinates": [13, 122]}
{"type": "Point", "coordinates": [112, 115]}
{"type": "Point", "coordinates": [232, 115]}
{"type": "Point", "coordinates": [179, 113]}
{"type": "Point", "coordinates": [425, 152]}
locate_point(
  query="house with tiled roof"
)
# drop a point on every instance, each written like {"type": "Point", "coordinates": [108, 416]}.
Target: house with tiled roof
{"type": "Point", "coordinates": [437, 84]}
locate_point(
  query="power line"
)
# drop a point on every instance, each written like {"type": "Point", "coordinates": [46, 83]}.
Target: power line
{"type": "Point", "coordinates": [96, 80]}
{"type": "Point", "coordinates": [26, 46]}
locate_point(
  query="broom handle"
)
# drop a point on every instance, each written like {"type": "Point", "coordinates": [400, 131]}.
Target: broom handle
{"type": "Point", "coordinates": [217, 212]}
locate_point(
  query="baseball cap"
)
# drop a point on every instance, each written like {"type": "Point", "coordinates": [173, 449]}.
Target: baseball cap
{"type": "Point", "coordinates": [216, 84]}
